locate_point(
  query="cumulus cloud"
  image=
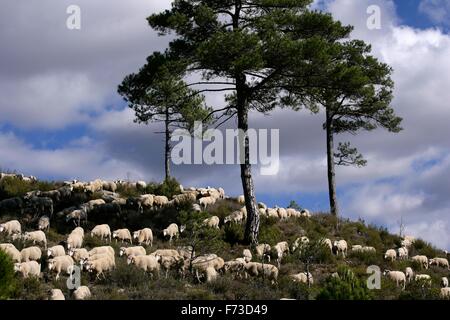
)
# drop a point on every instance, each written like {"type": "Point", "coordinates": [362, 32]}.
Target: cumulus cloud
{"type": "Point", "coordinates": [437, 10]}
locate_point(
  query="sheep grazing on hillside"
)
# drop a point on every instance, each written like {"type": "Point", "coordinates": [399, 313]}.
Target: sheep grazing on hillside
{"type": "Point", "coordinates": [235, 267]}
{"type": "Point", "coordinates": [30, 254]}
{"type": "Point", "coordinates": [281, 248]}
{"type": "Point", "coordinates": [82, 293]}
{"type": "Point", "coordinates": [160, 201]}
{"type": "Point", "coordinates": [102, 231]}
{"type": "Point", "coordinates": [409, 274]}
{"type": "Point", "coordinates": [79, 255]}
{"type": "Point", "coordinates": [132, 251]}
{"type": "Point", "coordinates": [44, 223]}
{"type": "Point", "coordinates": [444, 282]}
{"type": "Point", "coordinates": [212, 222]}
{"type": "Point", "coordinates": [340, 247]}
{"type": "Point", "coordinates": [390, 255]}
{"type": "Point", "coordinates": [235, 217]}
{"type": "Point", "coordinates": [144, 236]}
{"type": "Point", "coordinates": [267, 271]}
{"type": "Point", "coordinates": [122, 235]}
{"type": "Point", "coordinates": [35, 237]}
{"type": "Point", "coordinates": [56, 251]}
{"type": "Point", "coordinates": [28, 269]}
{"type": "Point", "coordinates": [241, 200]}
{"type": "Point", "coordinates": [147, 263]}
{"type": "Point", "coordinates": [247, 254]}
{"type": "Point", "coordinates": [425, 279]}
{"type": "Point", "coordinates": [74, 241]}
{"type": "Point", "coordinates": [302, 277]}
{"type": "Point", "coordinates": [263, 251]}
{"type": "Point", "coordinates": [11, 227]}
{"type": "Point", "coordinates": [422, 260]}
{"type": "Point", "coordinates": [100, 265]}
{"type": "Point", "coordinates": [402, 253]}
{"type": "Point", "coordinates": [398, 276]}
{"type": "Point", "coordinates": [61, 264]}
{"type": "Point", "coordinates": [173, 231]}
{"type": "Point", "coordinates": [56, 294]}
{"type": "Point", "coordinates": [445, 293]}
{"type": "Point", "coordinates": [328, 243]}
{"type": "Point", "coordinates": [440, 262]}
{"type": "Point", "coordinates": [206, 202]}
{"type": "Point", "coordinates": [11, 251]}
{"type": "Point", "coordinates": [299, 243]}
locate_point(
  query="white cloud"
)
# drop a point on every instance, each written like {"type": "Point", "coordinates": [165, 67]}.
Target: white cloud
{"type": "Point", "coordinates": [437, 10]}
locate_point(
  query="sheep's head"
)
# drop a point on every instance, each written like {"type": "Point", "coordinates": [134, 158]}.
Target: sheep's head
{"type": "Point", "coordinates": [49, 253]}
{"type": "Point", "coordinates": [136, 234]}
{"type": "Point", "coordinates": [386, 272]}
{"type": "Point", "coordinates": [17, 267]}
{"type": "Point", "coordinates": [115, 234]}
{"type": "Point", "coordinates": [2, 227]}
{"type": "Point", "coordinates": [122, 251]}
{"type": "Point", "coordinates": [51, 264]}
{"type": "Point", "coordinates": [131, 260]}
{"type": "Point", "coordinates": [182, 228]}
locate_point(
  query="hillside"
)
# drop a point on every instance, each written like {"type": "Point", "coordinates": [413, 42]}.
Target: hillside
{"type": "Point", "coordinates": [128, 282]}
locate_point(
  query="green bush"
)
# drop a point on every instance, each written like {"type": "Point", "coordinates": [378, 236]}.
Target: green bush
{"type": "Point", "coordinates": [6, 276]}
{"type": "Point", "coordinates": [168, 188]}
{"type": "Point", "coordinates": [345, 287]}
{"type": "Point", "coordinates": [234, 233]}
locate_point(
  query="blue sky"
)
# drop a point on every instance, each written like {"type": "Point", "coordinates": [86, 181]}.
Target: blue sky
{"type": "Point", "coordinates": [61, 117]}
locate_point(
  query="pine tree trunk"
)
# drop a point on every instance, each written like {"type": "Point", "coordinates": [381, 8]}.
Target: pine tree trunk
{"type": "Point", "coordinates": [167, 146]}
{"type": "Point", "coordinates": [331, 170]}
{"type": "Point", "coordinates": [252, 226]}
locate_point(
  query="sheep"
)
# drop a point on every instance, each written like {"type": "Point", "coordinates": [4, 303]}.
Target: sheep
{"type": "Point", "coordinates": [79, 231]}
{"type": "Point", "coordinates": [397, 276]}
{"type": "Point", "coordinates": [56, 251]}
{"type": "Point", "coordinates": [302, 277]}
{"type": "Point", "coordinates": [144, 236]}
{"type": "Point", "coordinates": [212, 222]}
{"type": "Point", "coordinates": [263, 250]}
{"type": "Point", "coordinates": [406, 243]}
{"type": "Point", "coordinates": [187, 197]}
{"type": "Point", "coordinates": [234, 217]}
{"type": "Point", "coordinates": [425, 279]}
{"type": "Point", "coordinates": [109, 186]}
{"type": "Point", "coordinates": [168, 262]}
{"type": "Point", "coordinates": [442, 262]}
{"type": "Point", "coordinates": [141, 185]}
{"type": "Point", "coordinates": [132, 251]}
{"type": "Point", "coordinates": [235, 267]}
{"type": "Point", "coordinates": [409, 274]}
{"type": "Point", "coordinates": [36, 236]}
{"type": "Point", "coordinates": [11, 251]}
{"type": "Point", "coordinates": [445, 293]}
{"type": "Point", "coordinates": [368, 249]}
{"type": "Point", "coordinates": [166, 252]}
{"type": "Point", "coordinates": [30, 254]}
{"type": "Point", "coordinates": [305, 213]}
{"type": "Point", "coordinates": [79, 255]}
{"type": "Point", "coordinates": [11, 227]}
{"type": "Point", "coordinates": [241, 200]}
{"type": "Point", "coordinates": [99, 266]}
{"type": "Point", "coordinates": [74, 241]}
{"type": "Point", "coordinates": [340, 246]}
{"type": "Point", "coordinates": [206, 202]}
{"type": "Point", "coordinates": [291, 212]}
{"type": "Point", "coordinates": [402, 253]}
{"type": "Point", "coordinates": [272, 213]}
{"type": "Point", "coordinates": [77, 215]}
{"type": "Point", "coordinates": [123, 235]}
{"type": "Point", "coordinates": [422, 260]}
{"type": "Point", "coordinates": [211, 274]}
{"type": "Point", "coordinates": [262, 205]}
{"type": "Point", "coordinates": [61, 264]}
{"type": "Point", "coordinates": [282, 213]}
{"type": "Point", "coordinates": [265, 270]}
{"type": "Point", "coordinates": [44, 223]}
{"type": "Point", "coordinates": [247, 255]}
{"type": "Point", "coordinates": [172, 231]}
{"type": "Point", "coordinates": [160, 201]}
{"type": "Point", "coordinates": [93, 186]}
{"type": "Point", "coordinates": [281, 248]}
{"type": "Point", "coordinates": [56, 294]}
{"type": "Point", "coordinates": [357, 248]}
{"type": "Point", "coordinates": [444, 282]}
{"type": "Point", "coordinates": [102, 231]}
{"type": "Point", "coordinates": [196, 207]}
{"type": "Point", "coordinates": [104, 249]}
{"type": "Point", "coordinates": [27, 269]}
{"type": "Point", "coordinates": [390, 254]}
{"type": "Point", "coordinates": [299, 242]}
{"type": "Point", "coordinates": [327, 242]}
{"type": "Point", "coordinates": [82, 293]}
{"type": "Point", "coordinates": [147, 263]}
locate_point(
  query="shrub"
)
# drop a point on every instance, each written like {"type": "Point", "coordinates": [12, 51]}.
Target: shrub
{"type": "Point", "coordinates": [6, 276]}
{"type": "Point", "coordinates": [234, 233]}
{"type": "Point", "coordinates": [346, 287]}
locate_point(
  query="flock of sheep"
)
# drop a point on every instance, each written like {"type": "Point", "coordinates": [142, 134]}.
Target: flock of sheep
{"type": "Point", "coordinates": [181, 260]}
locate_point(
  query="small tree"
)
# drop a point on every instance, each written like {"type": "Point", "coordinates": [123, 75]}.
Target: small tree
{"type": "Point", "coordinates": [6, 276]}
{"type": "Point", "coordinates": [158, 94]}
{"type": "Point", "coordinates": [294, 205]}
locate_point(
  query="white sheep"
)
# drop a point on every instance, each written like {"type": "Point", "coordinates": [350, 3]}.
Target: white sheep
{"type": "Point", "coordinates": [241, 200]}
{"type": "Point", "coordinates": [440, 262]}
{"type": "Point", "coordinates": [27, 269]}
{"type": "Point", "coordinates": [299, 243]}
{"type": "Point", "coordinates": [302, 277]}
{"type": "Point", "coordinates": [445, 293]}
{"type": "Point", "coordinates": [123, 235]}
{"type": "Point", "coordinates": [444, 282]}
{"type": "Point", "coordinates": [82, 293]}
{"type": "Point", "coordinates": [235, 217]}
{"type": "Point", "coordinates": [368, 249]}
{"type": "Point", "coordinates": [235, 267]}
{"type": "Point", "coordinates": [212, 222]}
{"type": "Point", "coordinates": [160, 201]}
{"type": "Point", "coordinates": [61, 264]}
{"type": "Point", "coordinates": [132, 251]}
{"type": "Point", "coordinates": [102, 231]}
{"type": "Point", "coordinates": [282, 213]}
{"type": "Point", "coordinates": [56, 294]}
{"type": "Point", "coordinates": [281, 248]}
{"type": "Point", "coordinates": [79, 231]}
{"type": "Point", "coordinates": [341, 247]}
{"type": "Point", "coordinates": [328, 243]}
{"type": "Point", "coordinates": [36, 236]}
{"type": "Point", "coordinates": [402, 253]}
{"type": "Point", "coordinates": [79, 254]}
{"type": "Point", "coordinates": [206, 202]}
{"type": "Point", "coordinates": [247, 255]}
{"type": "Point", "coordinates": [99, 266]}
{"type": "Point", "coordinates": [390, 255]}
{"type": "Point", "coordinates": [409, 274]}
{"type": "Point", "coordinates": [44, 223]}
{"type": "Point", "coordinates": [11, 227]}
{"type": "Point", "coordinates": [104, 249]}
{"type": "Point", "coordinates": [144, 236]}
{"type": "Point", "coordinates": [172, 231]}
{"type": "Point", "coordinates": [169, 262]}
{"type": "Point", "coordinates": [263, 250]}
{"type": "Point", "coordinates": [422, 260]}
{"type": "Point", "coordinates": [357, 248]}
{"type": "Point", "coordinates": [30, 254]}
{"type": "Point", "coordinates": [397, 276]}
{"type": "Point", "coordinates": [147, 263]}
{"type": "Point", "coordinates": [267, 271]}
{"type": "Point", "coordinates": [74, 241]}
{"type": "Point", "coordinates": [425, 279]}
{"type": "Point", "coordinates": [11, 251]}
